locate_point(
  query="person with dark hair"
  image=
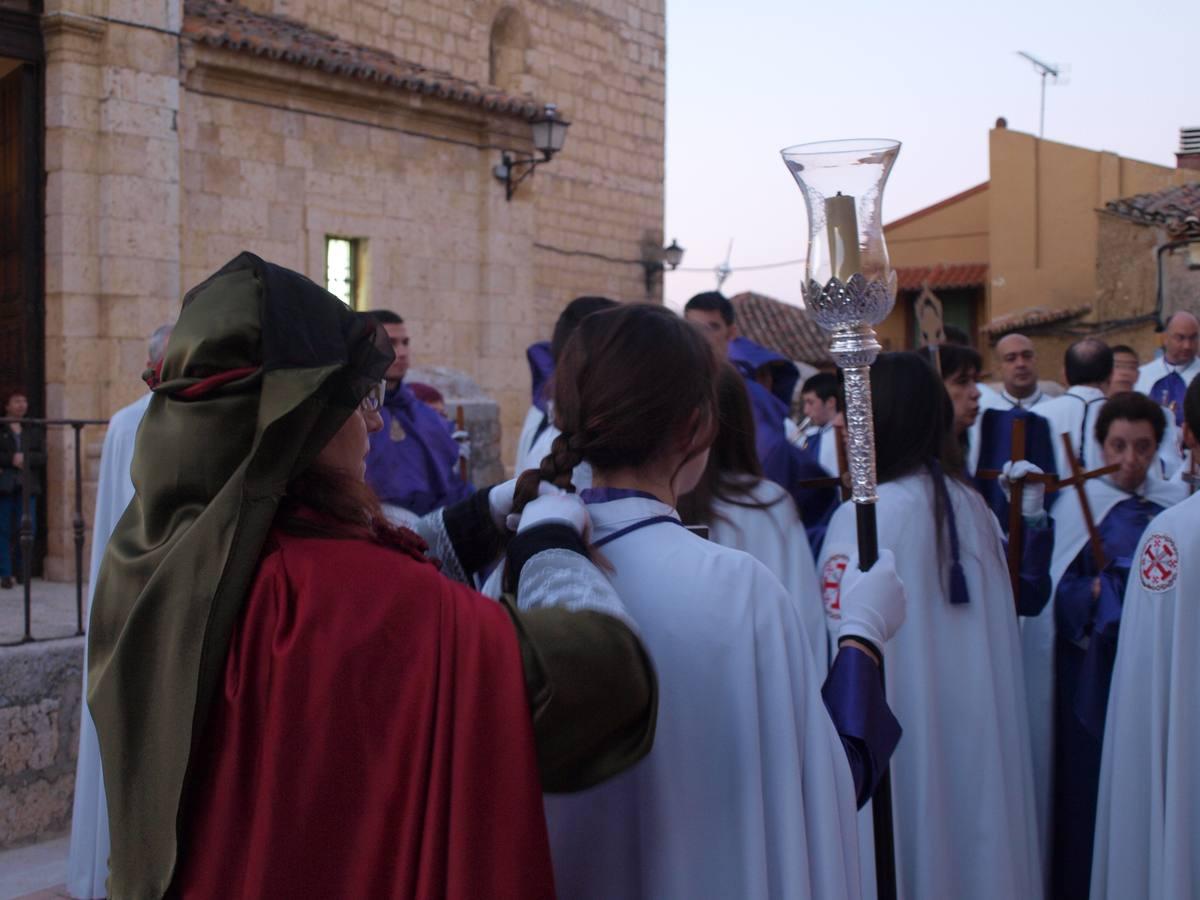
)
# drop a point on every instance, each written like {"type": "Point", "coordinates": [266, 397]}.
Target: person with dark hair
{"type": "Point", "coordinates": [822, 397]}
{"type": "Point", "coordinates": [989, 397]}
{"type": "Point", "coordinates": [413, 463]}
{"type": "Point", "coordinates": [962, 779]}
{"type": "Point", "coordinates": [539, 431]}
{"type": "Point", "coordinates": [771, 380]}
{"type": "Point", "coordinates": [292, 700]}
{"type": "Point", "coordinates": [87, 860]}
{"type": "Point", "coordinates": [1125, 369]}
{"type": "Point", "coordinates": [1076, 644]}
{"type": "Point", "coordinates": [1148, 807]}
{"type": "Point", "coordinates": [747, 792]}
{"type": "Point", "coordinates": [743, 510]}
{"type": "Point", "coordinates": [1087, 367]}
{"type": "Point", "coordinates": [714, 315]}
{"type": "Point", "coordinates": [22, 455]}
{"type": "Point", "coordinates": [1165, 379]}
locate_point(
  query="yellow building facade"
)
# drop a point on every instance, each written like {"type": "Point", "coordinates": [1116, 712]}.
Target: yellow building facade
{"type": "Point", "coordinates": [1021, 249]}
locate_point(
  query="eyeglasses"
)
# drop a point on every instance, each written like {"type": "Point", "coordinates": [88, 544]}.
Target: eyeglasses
{"type": "Point", "coordinates": [374, 398]}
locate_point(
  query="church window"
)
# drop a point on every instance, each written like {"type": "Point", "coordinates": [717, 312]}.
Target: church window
{"type": "Point", "coordinates": [342, 265]}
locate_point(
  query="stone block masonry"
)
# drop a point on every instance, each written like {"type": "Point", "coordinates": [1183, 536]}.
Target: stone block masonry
{"type": "Point", "coordinates": [40, 694]}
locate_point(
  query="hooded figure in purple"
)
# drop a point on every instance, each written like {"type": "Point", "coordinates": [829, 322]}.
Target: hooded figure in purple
{"type": "Point", "coordinates": [413, 462]}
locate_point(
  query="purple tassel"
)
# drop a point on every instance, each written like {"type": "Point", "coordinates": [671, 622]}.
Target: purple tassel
{"type": "Point", "coordinates": [958, 584]}
{"type": "Point", "coordinates": [958, 580]}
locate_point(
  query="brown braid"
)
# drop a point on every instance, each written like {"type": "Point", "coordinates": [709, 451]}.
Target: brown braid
{"type": "Point", "coordinates": [556, 468]}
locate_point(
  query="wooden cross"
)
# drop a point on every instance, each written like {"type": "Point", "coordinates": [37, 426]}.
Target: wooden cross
{"type": "Point", "coordinates": [1079, 478]}
{"type": "Point", "coordinates": [1016, 492]}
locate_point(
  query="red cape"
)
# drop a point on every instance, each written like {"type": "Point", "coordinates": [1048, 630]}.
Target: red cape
{"type": "Point", "coordinates": [373, 739]}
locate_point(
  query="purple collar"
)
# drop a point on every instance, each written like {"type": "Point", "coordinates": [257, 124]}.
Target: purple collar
{"type": "Point", "coordinates": [603, 495]}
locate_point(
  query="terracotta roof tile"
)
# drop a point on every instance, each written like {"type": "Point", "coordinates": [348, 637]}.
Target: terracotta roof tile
{"type": "Point", "coordinates": [219, 23]}
{"type": "Point", "coordinates": [942, 277]}
{"type": "Point", "coordinates": [1030, 318]}
{"type": "Point", "coordinates": [782, 328]}
{"type": "Point", "coordinates": [1177, 209]}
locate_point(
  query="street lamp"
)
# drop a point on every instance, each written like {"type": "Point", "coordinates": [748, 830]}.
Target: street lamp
{"type": "Point", "coordinates": [671, 256]}
{"type": "Point", "coordinates": [549, 131]}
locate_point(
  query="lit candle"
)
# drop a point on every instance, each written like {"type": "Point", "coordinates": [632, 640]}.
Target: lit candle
{"type": "Point", "coordinates": [842, 225]}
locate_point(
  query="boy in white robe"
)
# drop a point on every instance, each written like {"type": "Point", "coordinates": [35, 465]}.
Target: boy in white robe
{"type": "Point", "coordinates": [1148, 807]}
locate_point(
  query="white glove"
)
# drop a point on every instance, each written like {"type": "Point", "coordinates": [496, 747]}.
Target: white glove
{"type": "Point", "coordinates": [872, 603]}
{"type": "Point", "coordinates": [555, 506]}
{"type": "Point", "coordinates": [1033, 497]}
{"type": "Point", "coordinates": [500, 502]}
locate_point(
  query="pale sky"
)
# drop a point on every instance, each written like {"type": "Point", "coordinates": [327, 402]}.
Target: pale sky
{"type": "Point", "coordinates": [745, 79]}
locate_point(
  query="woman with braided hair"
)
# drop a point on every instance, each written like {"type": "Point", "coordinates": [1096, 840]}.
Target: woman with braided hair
{"type": "Point", "coordinates": [747, 792]}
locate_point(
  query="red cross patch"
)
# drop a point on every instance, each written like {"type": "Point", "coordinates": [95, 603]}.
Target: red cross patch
{"type": "Point", "coordinates": [1159, 565]}
{"type": "Point", "coordinates": [831, 584]}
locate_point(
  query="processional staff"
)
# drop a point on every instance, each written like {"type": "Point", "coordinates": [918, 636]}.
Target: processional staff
{"type": "Point", "coordinates": [849, 288]}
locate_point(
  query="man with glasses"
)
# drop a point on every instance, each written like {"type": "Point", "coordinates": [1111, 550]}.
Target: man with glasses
{"type": "Point", "coordinates": [413, 463]}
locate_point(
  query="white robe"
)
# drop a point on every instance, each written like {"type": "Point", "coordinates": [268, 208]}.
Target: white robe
{"type": "Point", "coordinates": [1157, 368]}
{"type": "Point", "coordinates": [962, 777]}
{"type": "Point", "coordinates": [1148, 812]}
{"type": "Point", "coordinates": [1038, 632]}
{"type": "Point", "coordinates": [530, 452]}
{"type": "Point", "coordinates": [1066, 414]}
{"type": "Point", "coordinates": [87, 862]}
{"type": "Point", "coordinates": [775, 536]}
{"type": "Point", "coordinates": [747, 792]}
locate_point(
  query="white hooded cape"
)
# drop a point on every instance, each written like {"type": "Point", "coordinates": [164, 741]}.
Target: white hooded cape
{"type": "Point", "coordinates": [87, 863]}
{"type": "Point", "coordinates": [747, 792]}
{"type": "Point", "coordinates": [1148, 813]}
{"type": "Point", "coordinates": [775, 537]}
{"type": "Point", "coordinates": [962, 778]}
{"type": "Point", "coordinates": [1037, 633]}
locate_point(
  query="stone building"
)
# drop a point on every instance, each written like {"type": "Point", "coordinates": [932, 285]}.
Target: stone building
{"type": "Point", "coordinates": [1032, 248]}
{"type": "Point", "coordinates": [146, 143]}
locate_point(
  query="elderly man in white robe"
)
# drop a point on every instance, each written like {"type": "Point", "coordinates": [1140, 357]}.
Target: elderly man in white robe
{"type": "Point", "coordinates": [1148, 805]}
{"type": "Point", "coordinates": [87, 862]}
{"type": "Point", "coordinates": [1165, 380]}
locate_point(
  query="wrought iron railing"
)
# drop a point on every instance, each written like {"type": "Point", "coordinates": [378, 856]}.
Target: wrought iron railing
{"type": "Point", "coordinates": [26, 529]}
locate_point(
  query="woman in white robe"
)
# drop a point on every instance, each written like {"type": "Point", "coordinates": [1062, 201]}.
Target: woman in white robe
{"type": "Point", "coordinates": [747, 791]}
{"type": "Point", "coordinates": [962, 779]}
{"type": "Point", "coordinates": [743, 510]}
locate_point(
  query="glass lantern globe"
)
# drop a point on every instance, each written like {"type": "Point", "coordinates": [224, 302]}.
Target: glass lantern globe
{"type": "Point", "coordinates": [847, 277]}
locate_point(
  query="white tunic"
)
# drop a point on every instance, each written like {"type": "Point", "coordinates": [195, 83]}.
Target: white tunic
{"type": "Point", "coordinates": [87, 863]}
{"type": "Point", "coordinates": [1148, 813]}
{"type": "Point", "coordinates": [531, 451]}
{"type": "Point", "coordinates": [1158, 368]}
{"type": "Point", "coordinates": [775, 536]}
{"type": "Point", "coordinates": [1075, 414]}
{"type": "Point", "coordinates": [747, 792]}
{"type": "Point", "coordinates": [962, 777]}
{"type": "Point", "coordinates": [1038, 632]}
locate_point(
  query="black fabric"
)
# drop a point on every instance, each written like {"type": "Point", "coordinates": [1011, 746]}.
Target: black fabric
{"type": "Point", "coordinates": [32, 442]}
{"type": "Point", "coordinates": [472, 533]}
{"type": "Point", "coordinates": [527, 544]}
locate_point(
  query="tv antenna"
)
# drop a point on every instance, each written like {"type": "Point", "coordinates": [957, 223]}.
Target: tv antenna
{"type": "Point", "coordinates": [724, 270]}
{"type": "Point", "coordinates": [1044, 69]}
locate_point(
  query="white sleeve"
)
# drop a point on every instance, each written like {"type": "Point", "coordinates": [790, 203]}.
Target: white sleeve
{"type": "Point", "coordinates": [564, 578]}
